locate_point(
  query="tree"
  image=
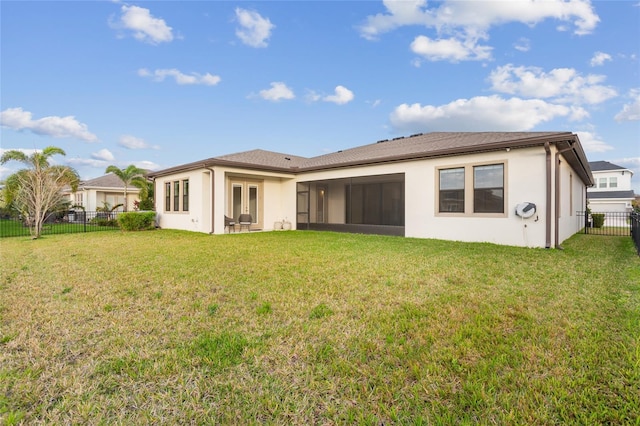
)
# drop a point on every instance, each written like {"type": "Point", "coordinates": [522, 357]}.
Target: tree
{"type": "Point", "coordinates": [127, 176]}
{"type": "Point", "coordinates": [37, 190]}
{"type": "Point", "coordinates": [146, 194]}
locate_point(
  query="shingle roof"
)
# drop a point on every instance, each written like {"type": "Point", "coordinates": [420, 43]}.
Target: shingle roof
{"type": "Point", "coordinates": [600, 166]}
{"type": "Point", "coordinates": [611, 194]}
{"type": "Point", "coordinates": [107, 181]}
{"type": "Point", "coordinates": [398, 149]}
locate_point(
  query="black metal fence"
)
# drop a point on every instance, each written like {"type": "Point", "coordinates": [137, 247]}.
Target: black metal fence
{"type": "Point", "coordinates": [635, 229]}
{"type": "Point", "coordinates": [63, 223]}
{"type": "Point", "coordinates": [605, 223]}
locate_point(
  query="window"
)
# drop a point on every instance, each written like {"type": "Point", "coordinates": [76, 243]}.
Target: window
{"type": "Point", "coordinates": [613, 182]}
{"type": "Point", "coordinates": [471, 189]}
{"type": "Point", "coordinates": [602, 182]}
{"type": "Point", "coordinates": [488, 189]}
{"type": "Point", "coordinates": [167, 196]}
{"type": "Point", "coordinates": [185, 195]}
{"type": "Point", "coordinates": [452, 190]}
{"type": "Point", "coordinates": [176, 196]}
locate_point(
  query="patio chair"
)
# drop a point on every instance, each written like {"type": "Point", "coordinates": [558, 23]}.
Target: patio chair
{"type": "Point", "coordinates": [245, 220]}
{"type": "Point", "coordinates": [229, 223]}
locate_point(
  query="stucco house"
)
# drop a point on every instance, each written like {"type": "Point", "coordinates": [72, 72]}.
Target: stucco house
{"type": "Point", "coordinates": [512, 188]}
{"type": "Point", "coordinates": [93, 193]}
{"type": "Point", "coordinates": [612, 190]}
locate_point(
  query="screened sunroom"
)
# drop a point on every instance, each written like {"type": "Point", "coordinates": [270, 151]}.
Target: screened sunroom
{"type": "Point", "coordinates": [364, 204]}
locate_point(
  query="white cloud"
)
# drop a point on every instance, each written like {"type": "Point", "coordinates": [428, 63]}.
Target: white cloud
{"type": "Point", "coordinates": [450, 49]}
{"type": "Point", "coordinates": [563, 85]}
{"type": "Point", "coordinates": [599, 58]}
{"type": "Point", "coordinates": [254, 30]}
{"type": "Point", "coordinates": [277, 92]}
{"type": "Point", "coordinates": [87, 162]}
{"type": "Point", "coordinates": [591, 142]}
{"type": "Point", "coordinates": [630, 111]}
{"type": "Point", "coordinates": [476, 17]}
{"type": "Point", "coordinates": [179, 77]}
{"type": "Point", "coordinates": [145, 27]}
{"type": "Point", "coordinates": [54, 126]}
{"type": "Point", "coordinates": [523, 44]}
{"type": "Point", "coordinates": [132, 142]}
{"type": "Point", "coordinates": [103, 155]}
{"type": "Point", "coordinates": [146, 165]}
{"type": "Point", "coordinates": [482, 113]}
{"type": "Point", "coordinates": [342, 96]}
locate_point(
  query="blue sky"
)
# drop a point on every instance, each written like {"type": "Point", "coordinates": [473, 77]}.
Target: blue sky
{"type": "Point", "coordinates": [158, 84]}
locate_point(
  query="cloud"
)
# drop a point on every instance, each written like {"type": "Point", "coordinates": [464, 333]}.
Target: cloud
{"type": "Point", "coordinates": [132, 142]}
{"type": "Point", "coordinates": [599, 58]}
{"type": "Point", "coordinates": [180, 78]}
{"type": "Point", "coordinates": [87, 162]}
{"type": "Point", "coordinates": [277, 92]}
{"type": "Point", "coordinates": [103, 155]}
{"type": "Point", "coordinates": [342, 96]}
{"type": "Point", "coordinates": [482, 113]}
{"type": "Point", "coordinates": [145, 27]}
{"type": "Point", "coordinates": [475, 17]}
{"type": "Point", "coordinates": [146, 165]}
{"type": "Point", "coordinates": [450, 49]}
{"type": "Point", "coordinates": [630, 111]}
{"type": "Point", "coordinates": [57, 127]}
{"type": "Point", "coordinates": [564, 85]}
{"type": "Point", "coordinates": [254, 30]}
{"type": "Point", "coordinates": [523, 44]}
{"type": "Point", "coordinates": [591, 142]}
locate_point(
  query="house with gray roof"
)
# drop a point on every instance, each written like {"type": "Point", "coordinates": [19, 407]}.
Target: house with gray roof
{"type": "Point", "coordinates": [94, 193]}
{"type": "Point", "coordinates": [612, 188]}
{"type": "Point", "coordinates": [512, 188]}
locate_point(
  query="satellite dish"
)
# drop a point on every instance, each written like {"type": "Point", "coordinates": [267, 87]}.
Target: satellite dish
{"type": "Point", "coordinates": [525, 210]}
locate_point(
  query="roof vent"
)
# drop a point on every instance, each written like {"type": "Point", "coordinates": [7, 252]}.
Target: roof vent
{"type": "Point", "coordinates": [416, 134]}
{"type": "Point", "coordinates": [287, 158]}
{"type": "Point", "coordinates": [382, 140]}
{"type": "Point", "coordinates": [398, 138]}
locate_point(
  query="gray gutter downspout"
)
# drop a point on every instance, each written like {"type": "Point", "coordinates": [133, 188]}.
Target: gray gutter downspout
{"type": "Point", "coordinates": [557, 194]}
{"type": "Point", "coordinates": [548, 212]}
{"type": "Point", "coordinates": [213, 192]}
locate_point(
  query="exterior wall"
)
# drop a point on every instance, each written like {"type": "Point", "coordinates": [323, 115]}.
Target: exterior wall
{"type": "Point", "coordinates": [198, 218]}
{"type": "Point", "coordinates": [572, 200]}
{"type": "Point", "coordinates": [623, 178]}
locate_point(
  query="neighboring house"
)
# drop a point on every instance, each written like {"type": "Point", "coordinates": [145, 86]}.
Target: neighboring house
{"type": "Point", "coordinates": [612, 188]}
{"type": "Point", "coordinates": [92, 194]}
{"type": "Point", "coordinates": [447, 185]}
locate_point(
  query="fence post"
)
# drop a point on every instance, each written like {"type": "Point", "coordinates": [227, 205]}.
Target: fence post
{"type": "Point", "coordinates": [586, 222]}
{"type": "Point", "coordinates": [84, 221]}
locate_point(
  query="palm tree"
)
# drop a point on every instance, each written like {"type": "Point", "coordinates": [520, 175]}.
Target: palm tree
{"type": "Point", "coordinates": [127, 176]}
{"type": "Point", "coordinates": [37, 190]}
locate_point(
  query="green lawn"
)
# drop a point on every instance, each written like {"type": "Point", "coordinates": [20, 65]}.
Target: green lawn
{"type": "Point", "coordinates": [166, 327]}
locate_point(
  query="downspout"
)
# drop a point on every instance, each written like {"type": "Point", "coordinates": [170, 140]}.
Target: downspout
{"type": "Point", "coordinates": [548, 210]}
{"type": "Point", "coordinates": [557, 195]}
{"type": "Point", "coordinates": [213, 203]}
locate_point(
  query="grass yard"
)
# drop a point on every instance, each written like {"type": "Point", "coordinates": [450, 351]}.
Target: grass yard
{"type": "Point", "coordinates": [171, 327]}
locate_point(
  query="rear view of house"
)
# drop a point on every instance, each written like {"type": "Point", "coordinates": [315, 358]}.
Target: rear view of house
{"type": "Point", "coordinates": [512, 188]}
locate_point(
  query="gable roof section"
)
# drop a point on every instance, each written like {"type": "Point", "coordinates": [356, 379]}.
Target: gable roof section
{"type": "Point", "coordinates": [107, 181]}
{"type": "Point", "coordinates": [604, 166]}
{"type": "Point", "coordinates": [417, 146]}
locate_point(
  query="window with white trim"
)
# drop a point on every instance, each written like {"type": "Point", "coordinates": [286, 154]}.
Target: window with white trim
{"type": "Point", "coordinates": [473, 189]}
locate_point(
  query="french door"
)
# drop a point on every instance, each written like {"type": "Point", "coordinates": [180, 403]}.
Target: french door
{"type": "Point", "coordinates": [246, 197]}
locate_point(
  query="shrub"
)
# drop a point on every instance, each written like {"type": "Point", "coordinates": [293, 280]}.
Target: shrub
{"type": "Point", "coordinates": [136, 221]}
{"type": "Point", "coordinates": [598, 220]}
{"type": "Point", "coordinates": [103, 221]}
